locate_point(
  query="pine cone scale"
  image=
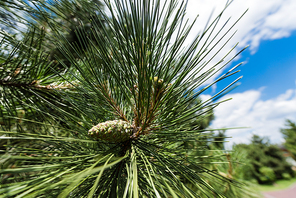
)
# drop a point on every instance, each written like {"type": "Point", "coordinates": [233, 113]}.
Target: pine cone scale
{"type": "Point", "coordinates": [112, 131]}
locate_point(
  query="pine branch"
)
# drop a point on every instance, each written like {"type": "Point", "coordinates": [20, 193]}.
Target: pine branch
{"type": "Point", "coordinates": [118, 100]}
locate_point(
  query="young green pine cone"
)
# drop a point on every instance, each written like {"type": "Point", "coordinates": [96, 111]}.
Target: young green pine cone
{"type": "Point", "coordinates": [112, 131]}
{"type": "Point", "coordinates": [157, 82]}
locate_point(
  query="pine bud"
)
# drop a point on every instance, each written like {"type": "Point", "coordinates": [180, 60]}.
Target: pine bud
{"type": "Point", "coordinates": [112, 131]}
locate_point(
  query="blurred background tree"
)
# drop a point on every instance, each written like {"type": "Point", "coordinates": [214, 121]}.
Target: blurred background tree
{"type": "Point", "coordinates": [219, 139]}
{"type": "Point", "coordinates": [289, 134]}
{"type": "Point", "coordinates": [68, 18]}
{"type": "Point", "coordinates": [268, 163]}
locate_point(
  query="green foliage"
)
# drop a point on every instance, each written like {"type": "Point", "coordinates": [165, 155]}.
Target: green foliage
{"type": "Point", "coordinates": [123, 67]}
{"type": "Point", "coordinates": [267, 161]}
{"type": "Point", "coordinates": [229, 164]}
{"type": "Point", "coordinates": [289, 134]}
{"type": "Point", "coordinates": [286, 176]}
{"type": "Point", "coordinates": [63, 16]}
{"type": "Point", "coordinates": [218, 140]}
{"type": "Point", "coordinates": [267, 175]}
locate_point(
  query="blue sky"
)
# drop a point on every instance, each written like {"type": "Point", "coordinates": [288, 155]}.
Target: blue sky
{"type": "Point", "coordinates": [271, 68]}
{"type": "Point", "coordinates": [267, 94]}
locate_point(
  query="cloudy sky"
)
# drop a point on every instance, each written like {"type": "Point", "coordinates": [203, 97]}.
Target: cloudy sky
{"type": "Point", "coordinates": [267, 94]}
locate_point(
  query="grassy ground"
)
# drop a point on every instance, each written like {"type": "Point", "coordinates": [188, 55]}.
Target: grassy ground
{"type": "Point", "coordinates": [279, 185]}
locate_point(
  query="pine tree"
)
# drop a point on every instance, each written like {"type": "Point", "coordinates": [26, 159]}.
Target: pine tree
{"type": "Point", "coordinates": [112, 122]}
{"type": "Point", "coordinates": [267, 161]}
{"type": "Point", "coordinates": [290, 137]}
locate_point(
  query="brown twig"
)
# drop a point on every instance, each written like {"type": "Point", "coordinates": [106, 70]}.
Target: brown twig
{"type": "Point", "coordinates": [111, 101]}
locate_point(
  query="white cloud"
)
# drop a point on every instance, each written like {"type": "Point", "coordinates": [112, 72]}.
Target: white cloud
{"type": "Point", "coordinates": [265, 118]}
{"type": "Point", "coordinates": [265, 20]}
